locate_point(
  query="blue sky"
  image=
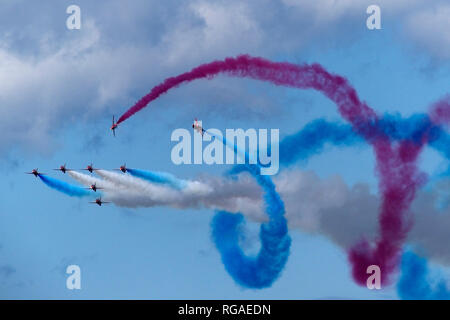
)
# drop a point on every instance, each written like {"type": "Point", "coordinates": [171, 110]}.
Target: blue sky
{"type": "Point", "coordinates": [59, 89]}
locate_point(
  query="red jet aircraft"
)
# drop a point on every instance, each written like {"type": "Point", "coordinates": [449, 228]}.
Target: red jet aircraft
{"type": "Point", "coordinates": [99, 201]}
{"type": "Point", "coordinates": [35, 172]}
{"type": "Point", "coordinates": [94, 187]}
{"type": "Point", "coordinates": [63, 169]}
{"type": "Point", "coordinates": [122, 168]}
{"type": "Point", "coordinates": [113, 127]}
{"type": "Point", "coordinates": [90, 168]}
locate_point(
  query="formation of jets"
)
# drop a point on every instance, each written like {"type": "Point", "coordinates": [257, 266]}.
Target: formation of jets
{"type": "Point", "coordinates": [196, 126]}
{"type": "Point", "coordinates": [89, 168]}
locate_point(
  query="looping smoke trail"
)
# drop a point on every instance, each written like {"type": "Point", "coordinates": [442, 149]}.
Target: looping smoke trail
{"type": "Point", "coordinates": [262, 270]}
{"type": "Point", "coordinates": [64, 187]}
{"type": "Point", "coordinates": [414, 283]}
{"type": "Point", "coordinates": [396, 163]}
{"type": "Point", "coordinates": [159, 177]}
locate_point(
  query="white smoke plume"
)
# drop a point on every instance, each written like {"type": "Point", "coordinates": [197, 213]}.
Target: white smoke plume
{"type": "Point", "coordinates": [318, 206]}
{"type": "Point", "coordinates": [125, 190]}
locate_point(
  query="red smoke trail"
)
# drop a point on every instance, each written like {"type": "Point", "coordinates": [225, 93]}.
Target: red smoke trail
{"type": "Point", "coordinates": [279, 73]}
{"type": "Point", "coordinates": [440, 112]}
{"type": "Point", "coordinates": [396, 162]}
{"type": "Point", "coordinates": [399, 180]}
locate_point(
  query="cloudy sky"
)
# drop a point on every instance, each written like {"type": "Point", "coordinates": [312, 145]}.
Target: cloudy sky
{"type": "Point", "coordinates": [59, 89]}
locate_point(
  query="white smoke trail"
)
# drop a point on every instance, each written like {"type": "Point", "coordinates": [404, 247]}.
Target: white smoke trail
{"type": "Point", "coordinates": [319, 206]}
{"type": "Point", "coordinates": [88, 180]}
{"type": "Point", "coordinates": [127, 191]}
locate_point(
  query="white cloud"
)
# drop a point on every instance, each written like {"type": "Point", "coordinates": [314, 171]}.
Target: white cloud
{"type": "Point", "coordinates": [430, 28]}
{"type": "Point", "coordinates": [218, 29]}
{"type": "Point", "coordinates": [39, 95]}
{"type": "Point", "coordinates": [57, 77]}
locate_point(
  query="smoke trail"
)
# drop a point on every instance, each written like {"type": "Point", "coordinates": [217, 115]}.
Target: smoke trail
{"type": "Point", "coordinates": [157, 194]}
{"type": "Point", "coordinates": [399, 177]}
{"type": "Point", "coordinates": [439, 140]}
{"type": "Point", "coordinates": [243, 155]}
{"type": "Point", "coordinates": [396, 163]}
{"type": "Point", "coordinates": [279, 73]}
{"type": "Point", "coordinates": [328, 207]}
{"type": "Point", "coordinates": [89, 180]}
{"type": "Point", "coordinates": [218, 194]}
{"type": "Point", "coordinates": [164, 191]}
{"type": "Point", "coordinates": [159, 177]}
{"type": "Point", "coordinates": [312, 138]}
{"type": "Point", "coordinates": [411, 133]}
{"type": "Point", "coordinates": [440, 112]}
{"type": "Point", "coordinates": [64, 187]}
{"type": "Point", "coordinates": [262, 270]}
{"type": "Point", "coordinates": [414, 281]}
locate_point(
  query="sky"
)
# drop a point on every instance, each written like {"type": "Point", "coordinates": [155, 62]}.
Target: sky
{"type": "Point", "coordinates": [59, 89]}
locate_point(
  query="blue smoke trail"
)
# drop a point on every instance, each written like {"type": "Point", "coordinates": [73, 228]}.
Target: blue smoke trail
{"type": "Point", "coordinates": [315, 135]}
{"type": "Point", "coordinates": [262, 270]}
{"type": "Point", "coordinates": [312, 138]}
{"type": "Point", "coordinates": [414, 281]}
{"type": "Point", "coordinates": [416, 128]}
{"type": "Point", "coordinates": [241, 153]}
{"type": "Point", "coordinates": [159, 177]}
{"type": "Point", "coordinates": [440, 141]}
{"type": "Point", "coordinates": [64, 187]}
